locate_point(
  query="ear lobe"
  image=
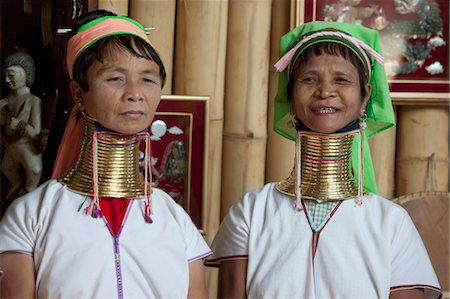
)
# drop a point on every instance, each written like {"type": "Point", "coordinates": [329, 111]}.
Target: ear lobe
{"type": "Point", "coordinates": [368, 88]}
{"type": "Point", "coordinates": [77, 94]}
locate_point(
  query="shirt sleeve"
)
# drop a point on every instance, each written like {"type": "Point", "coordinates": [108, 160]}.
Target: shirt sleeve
{"type": "Point", "coordinates": [410, 265]}
{"type": "Point", "coordinates": [232, 238]}
{"type": "Point", "coordinates": [195, 245]}
{"type": "Point", "coordinates": [17, 227]}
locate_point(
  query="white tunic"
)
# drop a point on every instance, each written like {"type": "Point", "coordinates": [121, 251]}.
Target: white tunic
{"type": "Point", "coordinates": [75, 256]}
{"type": "Point", "coordinates": [361, 252]}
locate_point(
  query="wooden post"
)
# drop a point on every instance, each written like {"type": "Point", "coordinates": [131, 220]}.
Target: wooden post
{"type": "Point", "coordinates": [382, 148]}
{"type": "Point", "coordinates": [280, 151]}
{"type": "Point", "coordinates": [201, 29]}
{"type": "Point", "coordinates": [245, 127]}
{"type": "Point", "coordinates": [161, 16]}
{"type": "Point", "coordinates": [422, 149]}
{"type": "Point", "coordinates": [119, 7]}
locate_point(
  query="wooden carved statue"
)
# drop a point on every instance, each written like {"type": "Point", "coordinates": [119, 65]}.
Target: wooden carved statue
{"type": "Point", "coordinates": [20, 114]}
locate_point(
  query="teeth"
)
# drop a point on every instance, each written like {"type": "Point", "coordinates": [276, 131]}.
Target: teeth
{"type": "Point", "coordinates": [326, 110]}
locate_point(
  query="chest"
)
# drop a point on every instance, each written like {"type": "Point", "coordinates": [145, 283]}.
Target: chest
{"type": "Point", "coordinates": [144, 260]}
{"type": "Point", "coordinates": [19, 107]}
{"type": "Point", "coordinates": [346, 252]}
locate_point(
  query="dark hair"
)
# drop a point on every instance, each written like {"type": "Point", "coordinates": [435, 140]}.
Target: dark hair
{"type": "Point", "coordinates": [331, 49]}
{"type": "Point", "coordinates": [134, 45]}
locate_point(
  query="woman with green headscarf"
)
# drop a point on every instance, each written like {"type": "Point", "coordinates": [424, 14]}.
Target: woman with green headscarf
{"type": "Point", "coordinates": [324, 232]}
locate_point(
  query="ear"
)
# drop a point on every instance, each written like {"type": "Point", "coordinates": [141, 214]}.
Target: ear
{"type": "Point", "coordinates": [292, 104]}
{"type": "Point", "coordinates": [368, 89]}
{"type": "Point", "coordinates": [77, 94]}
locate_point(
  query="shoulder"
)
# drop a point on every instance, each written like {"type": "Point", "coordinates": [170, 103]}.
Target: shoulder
{"type": "Point", "coordinates": [265, 194]}
{"type": "Point", "coordinates": [160, 197]}
{"type": "Point", "coordinates": [261, 203]}
{"type": "Point", "coordinates": [33, 99]}
{"type": "Point", "coordinates": [41, 199]}
{"type": "Point", "coordinates": [164, 204]}
{"type": "Point", "coordinates": [29, 215]}
{"type": "Point", "coordinates": [386, 206]}
{"type": "Point", "coordinates": [380, 211]}
{"type": "Point", "coordinates": [46, 189]}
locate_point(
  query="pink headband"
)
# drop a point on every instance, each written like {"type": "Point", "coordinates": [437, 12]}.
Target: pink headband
{"type": "Point", "coordinates": [286, 59]}
{"type": "Point", "coordinates": [110, 26]}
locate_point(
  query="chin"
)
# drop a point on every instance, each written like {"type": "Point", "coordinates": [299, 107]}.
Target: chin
{"type": "Point", "coordinates": [129, 131]}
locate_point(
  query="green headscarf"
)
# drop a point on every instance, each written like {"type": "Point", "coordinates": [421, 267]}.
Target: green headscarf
{"type": "Point", "coordinates": [380, 114]}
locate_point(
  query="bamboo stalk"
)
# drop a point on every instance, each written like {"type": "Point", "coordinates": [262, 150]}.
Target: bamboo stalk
{"type": "Point", "coordinates": [161, 16]}
{"type": "Point", "coordinates": [245, 127]}
{"type": "Point", "coordinates": [119, 7]}
{"type": "Point", "coordinates": [422, 149]}
{"type": "Point", "coordinates": [280, 151]}
{"type": "Point", "coordinates": [382, 148]}
{"type": "Point", "coordinates": [199, 69]}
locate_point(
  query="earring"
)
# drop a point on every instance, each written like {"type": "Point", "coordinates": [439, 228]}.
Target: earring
{"type": "Point", "coordinates": [362, 127]}
{"type": "Point", "coordinates": [292, 123]}
{"type": "Point", "coordinates": [362, 121]}
{"type": "Point", "coordinates": [80, 107]}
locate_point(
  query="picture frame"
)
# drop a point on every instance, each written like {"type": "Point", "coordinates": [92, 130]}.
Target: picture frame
{"type": "Point", "coordinates": [179, 146]}
{"type": "Point", "coordinates": [412, 82]}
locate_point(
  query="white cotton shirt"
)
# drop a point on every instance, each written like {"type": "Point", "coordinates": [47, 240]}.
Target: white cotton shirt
{"type": "Point", "coordinates": [361, 252]}
{"type": "Point", "coordinates": [74, 253]}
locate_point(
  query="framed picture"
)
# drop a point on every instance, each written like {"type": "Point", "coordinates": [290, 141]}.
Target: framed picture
{"type": "Point", "coordinates": [179, 135]}
{"type": "Point", "coordinates": [415, 41]}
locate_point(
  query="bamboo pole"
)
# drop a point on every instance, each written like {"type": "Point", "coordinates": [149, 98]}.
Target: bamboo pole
{"type": "Point", "coordinates": [422, 149]}
{"type": "Point", "coordinates": [161, 16]}
{"type": "Point", "coordinates": [199, 69]}
{"type": "Point", "coordinates": [382, 148]}
{"type": "Point", "coordinates": [119, 7]}
{"type": "Point", "coordinates": [280, 151]}
{"type": "Point", "coordinates": [245, 127]}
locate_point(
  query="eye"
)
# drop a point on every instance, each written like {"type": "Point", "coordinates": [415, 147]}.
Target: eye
{"type": "Point", "coordinates": [342, 79]}
{"type": "Point", "coordinates": [308, 79]}
{"type": "Point", "coordinates": [115, 79]}
{"type": "Point", "coordinates": [149, 80]}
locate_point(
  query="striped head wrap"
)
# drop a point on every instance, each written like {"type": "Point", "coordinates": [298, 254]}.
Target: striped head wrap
{"type": "Point", "coordinates": [329, 35]}
{"type": "Point", "coordinates": [97, 29]}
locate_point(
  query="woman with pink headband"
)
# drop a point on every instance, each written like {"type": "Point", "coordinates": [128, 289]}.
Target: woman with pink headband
{"type": "Point", "coordinates": [98, 229]}
{"type": "Point", "coordinates": [324, 232]}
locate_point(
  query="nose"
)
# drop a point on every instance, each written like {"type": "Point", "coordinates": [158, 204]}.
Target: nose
{"type": "Point", "coordinates": [133, 92]}
{"type": "Point", "coordinates": [325, 90]}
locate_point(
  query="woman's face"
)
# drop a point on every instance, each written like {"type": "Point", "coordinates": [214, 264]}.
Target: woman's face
{"type": "Point", "coordinates": [124, 92]}
{"type": "Point", "coordinates": [326, 93]}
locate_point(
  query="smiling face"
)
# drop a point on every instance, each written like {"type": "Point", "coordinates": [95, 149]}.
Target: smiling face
{"type": "Point", "coordinates": [326, 93]}
{"type": "Point", "coordinates": [124, 92]}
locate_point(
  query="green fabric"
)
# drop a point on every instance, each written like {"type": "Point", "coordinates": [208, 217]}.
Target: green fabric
{"type": "Point", "coordinates": [101, 19]}
{"type": "Point", "coordinates": [380, 114]}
